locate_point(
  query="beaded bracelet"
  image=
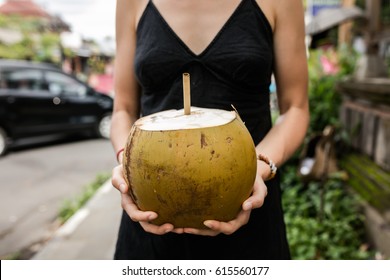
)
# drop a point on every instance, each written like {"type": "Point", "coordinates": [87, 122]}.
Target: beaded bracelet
{"type": "Point", "coordinates": [118, 153]}
{"type": "Point", "coordinates": [271, 164]}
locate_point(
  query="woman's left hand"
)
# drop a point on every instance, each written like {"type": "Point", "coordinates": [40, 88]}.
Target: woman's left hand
{"type": "Point", "coordinates": [256, 200]}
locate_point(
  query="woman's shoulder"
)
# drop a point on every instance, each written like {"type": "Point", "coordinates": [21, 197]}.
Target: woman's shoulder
{"type": "Point", "coordinates": [268, 9]}
{"type": "Point", "coordinates": [281, 11]}
{"type": "Point", "coordinates": [132, 3]}
{"type": "Point", "coordinates": [288, 8]}
{"type": "Point", "coordinates": [130, 10]}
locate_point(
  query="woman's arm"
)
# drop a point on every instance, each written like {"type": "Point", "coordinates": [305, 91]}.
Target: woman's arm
{"type": "Point", "coordinates": [127, 107]}
{"type": "Point", "coordinates": [291, 80]}
{"type": "Point", "coordinates": [126, 101]}
{"type": "Point", "coordinates": [286, 18]}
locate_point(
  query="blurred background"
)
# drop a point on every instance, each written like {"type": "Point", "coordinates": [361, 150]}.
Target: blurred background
{"type": "Point", "coordinates": [56, 90]}
{"type": "Point", "coordinates": [77, 35]}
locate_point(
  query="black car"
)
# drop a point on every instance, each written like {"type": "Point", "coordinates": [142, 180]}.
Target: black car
{"type": "Point", "coordinates": [38, 99]}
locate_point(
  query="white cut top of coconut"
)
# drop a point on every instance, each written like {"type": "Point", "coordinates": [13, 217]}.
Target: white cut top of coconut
{"type": "Point", "coordinates": [177, 120]}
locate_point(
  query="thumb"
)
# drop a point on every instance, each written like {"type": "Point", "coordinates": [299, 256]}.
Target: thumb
{"type": "Point", "coordinates": [256, 200]}
{"type": "Point", "coordinates": [117, 179]}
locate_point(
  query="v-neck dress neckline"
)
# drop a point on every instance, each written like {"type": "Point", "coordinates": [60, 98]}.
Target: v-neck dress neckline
{"type": "Point", "coordinates": [235, 68]}
{"type": "Point", "coordinates": [210, 44]}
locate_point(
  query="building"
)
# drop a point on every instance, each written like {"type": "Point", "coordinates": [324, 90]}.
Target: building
{"type": "Point", "coordinates": [29, 9]}
{"type": "Point", "coordinates": [25, 8]}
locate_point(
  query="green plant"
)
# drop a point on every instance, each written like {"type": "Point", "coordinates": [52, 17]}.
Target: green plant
{"type": "Point", "coordinates": [96, 64]}
{"type": "Point", "coordinates": [324, 103]}
{"type": "Point", "coordinates": [70, 207]}
{"type": "Point", "coordinates": [37, 43]}
{"type": "Point", "coordinates": [324, 99]}
{"type": "Point", "coordinates": [12, 256]}
{"type": "Point", "coordinates": [338, 234]}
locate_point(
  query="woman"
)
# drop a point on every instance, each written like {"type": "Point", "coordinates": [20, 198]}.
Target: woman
{"type": "Point", "coordinates": [231, 49]}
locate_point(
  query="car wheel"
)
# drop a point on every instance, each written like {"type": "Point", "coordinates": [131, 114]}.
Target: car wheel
{"type": "Point", "coordinates": [103, 129]}
{"type": "Point", "coordinates": [3, 142]}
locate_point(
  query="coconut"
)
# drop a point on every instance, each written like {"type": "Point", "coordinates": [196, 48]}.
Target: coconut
{"type": "Point", "coordinates": [189, 168]}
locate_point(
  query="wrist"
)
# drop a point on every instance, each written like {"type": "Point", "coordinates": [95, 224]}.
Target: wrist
{"type": "Point", "coordinates": [263, 170]}
{"type": "Point", "coordinates": [119, 155]}
{"type": "Point", "coordinates": [266, 167]}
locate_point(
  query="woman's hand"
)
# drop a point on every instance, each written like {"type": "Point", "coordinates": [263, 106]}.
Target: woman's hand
{"type": "Point", "coordinates": [256, 200]}
{"type": "Point", "coordinates": [143, 217]}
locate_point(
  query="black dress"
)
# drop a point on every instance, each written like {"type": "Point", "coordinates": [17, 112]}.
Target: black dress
{"type": "Point", "coordinates": [234, 69]}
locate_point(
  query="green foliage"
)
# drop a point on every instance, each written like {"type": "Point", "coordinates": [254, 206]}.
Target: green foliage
{"type": "Point", "coordinates": [329, 227]}
{"type": "Point", "coordinates": [324, 99]}
{"type": "Point", "coordinates": [324, 103]}
{"type": "Point", "coordinates": [49, 42]}
{"type": "Point", "coordinates": [20, 50]}
{"type": "Point", "coordinates": [96, 64]}
{"type": "Point", "coordinates": [37, 44]}
{"type": "Point", "coordinates": [348, 58]}
{"type": "Point", "coordinates": [323, 220]}
{"type": "Point", "coordinates": [385, 13]}
{"type": "Point", "coordinates": [70, 207]}
{"type": "Point", "coordinates": [24, 24]}
{"type": "Point", "coordinates": [13, 256]}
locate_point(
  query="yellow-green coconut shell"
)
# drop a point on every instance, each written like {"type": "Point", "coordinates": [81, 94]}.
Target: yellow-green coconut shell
{"type": "Point", "coordinates": [190, 168]}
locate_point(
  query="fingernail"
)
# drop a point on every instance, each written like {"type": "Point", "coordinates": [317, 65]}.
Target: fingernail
{"type": "Point", "coordinates": [169, 229]}
{"type": "Point", "coordinates": [247, 206]}
{"type": "Point", "coordinates": [152, 217]}
{"type": "Point", "coordinates": [122, 188]}
{"type": "Point", "coordinates": [208, 224]}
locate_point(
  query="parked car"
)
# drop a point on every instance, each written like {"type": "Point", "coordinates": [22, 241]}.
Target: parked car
{"type": "Point", "coordinates": [38, 99]}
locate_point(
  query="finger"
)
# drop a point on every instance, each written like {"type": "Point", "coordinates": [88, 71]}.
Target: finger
{"type": "Point", "coordinates": [256, 200]}
{"type": "Point", "coordinates": [204, 232]}
{"type": "Point", "coordinates": [155, 229]}
{"type": "Point", "coordinates": [231, 226]}
{"type": "Point", "coordinates": [117, 179]}
{"type": "Point", "coordinates": [178, 230]}
{"type": "Point", "coordinates": [133, 211]}
{"type": "Point", "coordinates": [144, 217]}
{"type": "Point", "coordinates": [217, 227]}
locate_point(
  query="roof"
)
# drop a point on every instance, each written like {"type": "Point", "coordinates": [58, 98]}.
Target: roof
{"type": "Point", "coordinates": [23, 8]}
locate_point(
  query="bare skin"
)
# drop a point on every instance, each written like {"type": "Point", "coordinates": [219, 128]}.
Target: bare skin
{"type": "Point", "coordinates": [197, 23]}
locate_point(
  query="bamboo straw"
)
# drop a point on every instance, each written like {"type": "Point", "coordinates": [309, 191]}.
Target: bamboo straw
{"type": "Point", "coordinates": [186, 94]}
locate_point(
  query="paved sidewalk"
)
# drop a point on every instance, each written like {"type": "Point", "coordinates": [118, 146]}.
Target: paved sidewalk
{"type": "Point", "coordinates": [91, 233]}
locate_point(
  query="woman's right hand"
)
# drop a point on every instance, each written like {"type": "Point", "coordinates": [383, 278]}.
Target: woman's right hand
{"type": "Point", "coordinates": [135, 214]}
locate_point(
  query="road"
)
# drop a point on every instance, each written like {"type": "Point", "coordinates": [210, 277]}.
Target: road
{"type": "Point", "coordinates": [35, 182]}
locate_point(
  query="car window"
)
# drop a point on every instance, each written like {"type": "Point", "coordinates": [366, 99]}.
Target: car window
{"type": "Point", "coordinates": [62, 84]}
{"type": "Point", "coordinates": [28, 79]}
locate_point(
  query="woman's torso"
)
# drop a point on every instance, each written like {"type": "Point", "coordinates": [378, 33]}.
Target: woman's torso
{"type": "Point", "coordinates": [232, 65]}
